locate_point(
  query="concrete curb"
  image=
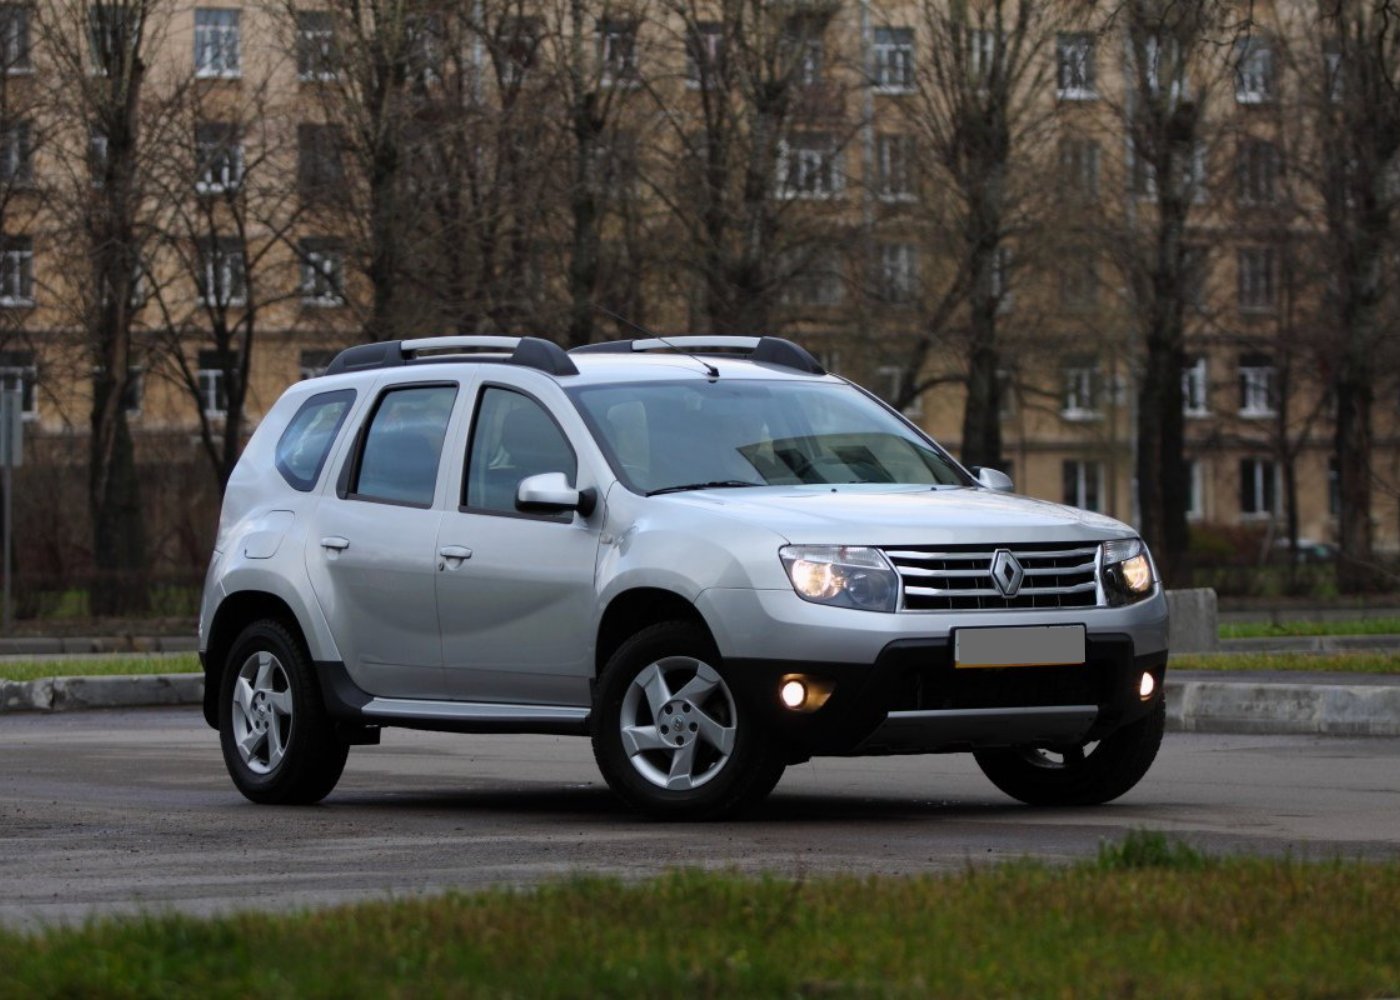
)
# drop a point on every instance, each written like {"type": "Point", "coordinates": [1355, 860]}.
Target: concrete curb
{"type": "Point", "coordinates": [1200, 706]}
{"type": "Point", "coordinates": [81, 645]}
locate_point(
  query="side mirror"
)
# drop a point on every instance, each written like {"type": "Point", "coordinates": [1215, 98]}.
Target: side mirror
{"type": "Point", "coordinates": [992, 479]}
{"type": "Point", "coordinates": [550, 493]}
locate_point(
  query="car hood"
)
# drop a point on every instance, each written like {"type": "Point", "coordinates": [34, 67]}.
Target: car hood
{"type": "Point", "coordinates": [903, 515]}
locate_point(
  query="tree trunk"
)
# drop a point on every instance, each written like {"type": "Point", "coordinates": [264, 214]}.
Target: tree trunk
{"type": "Point", "coordinates": [1162, 481]}
{"type": "Point", "coordinates": [1355, 565]}
{"type": "Point", "coordinates": [118, 527]}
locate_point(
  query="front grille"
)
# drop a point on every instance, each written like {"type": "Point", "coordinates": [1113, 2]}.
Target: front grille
{"type": "Point", "coordinates": [959, 577]}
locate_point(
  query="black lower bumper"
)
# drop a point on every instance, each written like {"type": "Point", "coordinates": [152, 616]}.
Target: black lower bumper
{"type": "Point", "coordinates": [914, 689]}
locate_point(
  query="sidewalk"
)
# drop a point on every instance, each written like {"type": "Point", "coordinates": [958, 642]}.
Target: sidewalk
{"type": "Point", "coordinates": [1197, 701]}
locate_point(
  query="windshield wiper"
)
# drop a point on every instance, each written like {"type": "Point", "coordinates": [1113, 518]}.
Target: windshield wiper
{"type": "Point", "coordinates": [718, 484]}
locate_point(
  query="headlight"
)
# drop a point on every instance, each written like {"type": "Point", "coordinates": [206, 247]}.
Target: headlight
{"type": "Point", "coordinates": [841, 575]}
{"type": "Point", "coordinates": [1127, 571]}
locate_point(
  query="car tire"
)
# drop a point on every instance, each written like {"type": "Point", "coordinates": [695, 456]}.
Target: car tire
{"type": "Point", "coordinates": [670, 734]}
{"type": "Point", "coordinates": [279, 745]}
{"type": "Point", "coordinates": [1078, 776]}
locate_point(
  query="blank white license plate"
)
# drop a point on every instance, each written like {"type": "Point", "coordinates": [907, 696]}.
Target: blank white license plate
{"type": "Point", "coordinates": [1023, 646]}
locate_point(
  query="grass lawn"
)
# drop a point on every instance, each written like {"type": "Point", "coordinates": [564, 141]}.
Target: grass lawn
{"type": "Point", "coordinates": [1385, 625]}
{"type": "Point", "coordinates": [1148, 918]}
{"type": "Point", "coordinates": [1344, 663]}
{"type": "Point", "coordinates": [98, 666]}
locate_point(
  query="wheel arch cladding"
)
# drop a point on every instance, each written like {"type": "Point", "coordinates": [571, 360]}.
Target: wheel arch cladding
{"type": "Point", "coordinates": [633, 610]}
{"type": "Point", "coordinates": [237, 612]}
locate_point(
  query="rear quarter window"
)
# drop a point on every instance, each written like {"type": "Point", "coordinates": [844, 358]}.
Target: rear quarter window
{"type": "Point", "coordinates": [304, 445]}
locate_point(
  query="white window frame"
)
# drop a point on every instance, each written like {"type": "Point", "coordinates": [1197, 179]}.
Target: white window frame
{"type": "Point", "coordinates": [1195, 388]}
{"type": "Point", "coordinates": [1263, 486]}
{"type": "Point", "coordinates": [1257, 390]}
{"type": "Point", "coordinates": [897, 273]}
{"type": "Point", "coordinates": [1142, 174]}
{"type": "Point", "coordinates": [221, 161]}
{"type": "Point", "coordinates": [1075, 72]}
{"type": "Point", "coordinates": [211, 388]}
{"type": "Point", "coordinates": [25, 378]}
{"type": "Point", "coordinates": [895, 154]}
{"type": "Point", "coordinates": [1085, 470]}
{"type": "Point", "coordinates": [618, 63]}
{"type": "Point", "coordinates": [16, 152]}
{"type": "Point", "coordinates": [1256, 279]}
{"type": "Point", "coordinates": [810, 167]}
{"type": "Point", "coordinates": [322, 274]}
{"type": "Point", "coordinates": [15, 40]}
{"type": "Point", "coordinates": [1195, 490]}
{"type": "Point", "coordinates": [981, 54]}
{"type": "Point", "coordinates": [1001, 278]}
{"type": "Point", "coordinates": [1083, 391]}
{"type": "Point", "coordinates": [707, 39]}
{"type": "Point", "coordinates": [894, 378]}
{"type": "Point", "coordinates": [316, 53]}
{"type": "Point", "coordinates": [222, 265]}
{"type": "Point", "coordinates": [1254, 71]}
{"type": "Point", "coordinates": [16, 273]}
{"type": "Point", "coordinates": [892, 60]}
{"type": "Point", "coordinates": [218, 43]}
{"type": "Point", "coordinates": [1153, 48]}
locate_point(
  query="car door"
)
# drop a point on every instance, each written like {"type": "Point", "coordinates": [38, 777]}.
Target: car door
{"type": "Point", "coordinates": [372, 553]}
{"type": "Point", "coordinates": [516, 590]}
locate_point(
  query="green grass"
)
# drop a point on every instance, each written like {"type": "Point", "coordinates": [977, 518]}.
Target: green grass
{"type": "Point", "coordinates": [1153, 919]}
{"type": "Point", "coordinates": [1330, 663]}
{"type": "Point", "coordinates": [98, 666]}
{"type": "Point", "coordinates": [1389, 625]}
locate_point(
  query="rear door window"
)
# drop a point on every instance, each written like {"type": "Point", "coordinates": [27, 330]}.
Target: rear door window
{"type": "Point", "coordinates": [304, 445]}
{"type": "Point", "coordinates": [398, 460]}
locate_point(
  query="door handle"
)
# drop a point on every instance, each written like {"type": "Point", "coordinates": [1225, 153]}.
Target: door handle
{"type": "Point", "coordinates": [335, 542]}
{"type": "Point", "coordinates": [455, 552]}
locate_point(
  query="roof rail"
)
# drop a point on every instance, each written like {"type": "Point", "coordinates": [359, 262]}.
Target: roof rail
{"type": "Point", "coordinates": [767, 350]}
{"type": "Point", "coordinates": [528, 352]}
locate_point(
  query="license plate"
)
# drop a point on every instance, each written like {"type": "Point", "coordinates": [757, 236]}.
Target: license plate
{"type": "Point", "coordinates": [1023, 646]}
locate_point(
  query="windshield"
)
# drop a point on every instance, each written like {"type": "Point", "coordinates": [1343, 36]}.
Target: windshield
{"type": "Point", "coordinates": [690, 434]}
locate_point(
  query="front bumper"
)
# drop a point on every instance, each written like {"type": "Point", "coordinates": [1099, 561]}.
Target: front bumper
{"type": "Point", "coordinates": [894, 688]}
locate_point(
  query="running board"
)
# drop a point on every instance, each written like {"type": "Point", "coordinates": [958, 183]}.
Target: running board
{"type": "Point", "coordinates": [476, 717]}
{"type": "Point", "coordinates": [978, 728]}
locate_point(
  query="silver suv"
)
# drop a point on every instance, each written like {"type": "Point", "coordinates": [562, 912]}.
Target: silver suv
{"type": "Point", "coordinates": [706, 554]}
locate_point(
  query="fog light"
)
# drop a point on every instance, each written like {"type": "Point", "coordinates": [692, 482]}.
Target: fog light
{"type": "Point", "coordinates": [1146, 686]}
{"type": "Point", "coordinates": [793, 693]}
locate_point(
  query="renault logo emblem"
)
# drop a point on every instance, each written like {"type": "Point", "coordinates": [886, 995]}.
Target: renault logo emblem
{"type": "Point", "coordinates": [1007, 573]}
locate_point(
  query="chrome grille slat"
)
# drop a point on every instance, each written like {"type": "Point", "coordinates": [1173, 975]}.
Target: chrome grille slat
{"type": "Point", "coordinates": [952, 578]}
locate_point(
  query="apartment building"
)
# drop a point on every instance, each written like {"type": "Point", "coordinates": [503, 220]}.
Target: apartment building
{"type": "Point", "coordinates": [263, 238]}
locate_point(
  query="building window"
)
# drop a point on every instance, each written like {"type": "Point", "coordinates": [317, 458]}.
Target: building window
{"type": "Point", "coordinates": [425, 48]}
{"type": "Point", "coordinates": [313, 363]}
{"type": "Point", "coordinates": [1000, 277]}
{"type": "Point", "coordinates": [704, 54]}
{"type": "Point", "coordinates": [16, 153]}
{"type": "Point", "coordinates": [897, 381]}
{"type": "Point", "coordinates": [1079, 279]}
{"type": "Point", "coordinates": [134, 392]}
{"type": "Point", "coordinates": [1256, 385]}
{"type": "Point", "coordinates": [896, 273]}
{"type": "Point", "coordinates": [1163, 59]}
{"type": "Point", "coordinates": [617, 51]}
{"type": "Point", "coordinates": [803, 38]}
{"type": "Point", "coordinates": [1254, 71]}
{"type": "Point", "coordinates": [216, 43]}
{"type": "Point", "coordinates": [1333, 80]}
{"type": "Point", "coordinates": [1075, 66]}
{"type": "Point", "coordinates": [1195, 492]}
{"type": "Point", "coordinates": [1083, 484]}
{"type": "Point", "coordinates": [317, 56]}
{"type": "Point", "coordinates": [210, 377]}
{"type": "Point", "coordinates": [1258, 481]}
{"type": "Point", "coordinates": [223, 280]}
{"type": "Point", "coordinates": [218, 157]}
{"type": "Point", "coordinates": [322, 272]}
{"type": "Point", "coordinates": [16, 271]}
{"type": "Point", "coordinates": [518, 46]}
{"type": "Point", "coordinates": [816, 279]}
{"type": "Point", "coordinates": [894, 167]}
{"type": "Point", "coordinates": [1194, 260]}
{"type": "Point", "coordinates": [1079, 162]}
{"type": "Point", "coordinates": [14, 39]}
{"type": "Point", "coordinates": [1256, 278]}
{"type": "Point", "coordinates": [893, 53]}
{"type": "Point", "coordinates": [18, 373]}
{"type": "Point", "coordinates": [1083, 386]}
{"type": "Point", "coordinates": [981, 54]}
{"type": "Point", "coordinates": [113, 32]}
{"type": "Point", "coordinates": [809, 166]}
{"type": "Point", "coordinates": [1142, 174]}
{"type": "Point", "coordinates": [97, 156]}
{"type": "Point", "coordinates": [1195, 390]}
{"type": "Point", "coordinates": [320, 167]}
{"type": "Point", "coordinates": [1259, 167]}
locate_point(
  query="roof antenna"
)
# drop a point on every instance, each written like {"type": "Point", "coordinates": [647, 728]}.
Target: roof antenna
{"type": "Point", "coordinates": [713, 371]}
